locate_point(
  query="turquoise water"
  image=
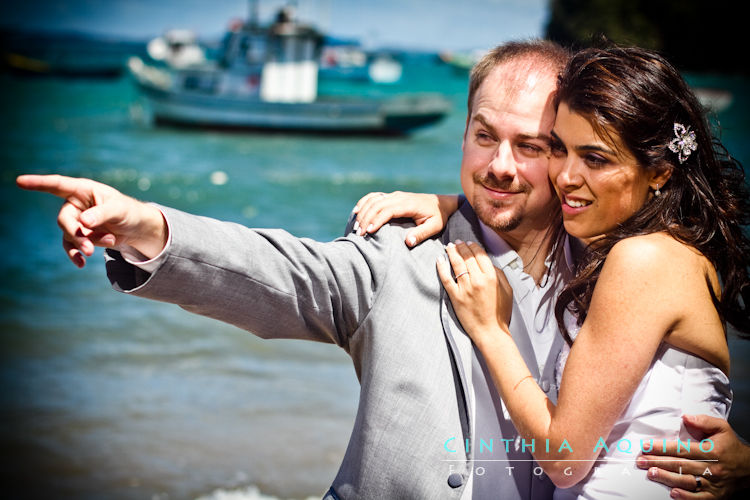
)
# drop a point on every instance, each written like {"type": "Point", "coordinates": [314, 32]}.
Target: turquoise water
{"type": "Point", "coordinates": [109, 396]}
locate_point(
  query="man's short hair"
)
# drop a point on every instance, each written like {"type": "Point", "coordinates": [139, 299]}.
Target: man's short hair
{"type": "Point", "coordinates": [544, 55]}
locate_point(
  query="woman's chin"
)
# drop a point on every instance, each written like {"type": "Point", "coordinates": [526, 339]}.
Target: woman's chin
{"type": "Point", "coordinates": [581, 233]}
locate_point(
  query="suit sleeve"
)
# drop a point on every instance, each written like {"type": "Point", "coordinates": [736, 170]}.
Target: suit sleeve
{"type": "Point", "coordinates": [265, 281]}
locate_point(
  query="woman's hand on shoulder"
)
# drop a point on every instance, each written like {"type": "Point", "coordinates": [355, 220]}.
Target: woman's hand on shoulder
{"type": "Point", "coordinates": [480, 293]}
{"type": "Point", "coordinates": [430, 212]}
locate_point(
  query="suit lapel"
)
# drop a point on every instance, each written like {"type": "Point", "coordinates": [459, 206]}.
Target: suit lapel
{"type": "Point", "coordinates": [462, 225]}
{"type": "Point", "coordinates": [460, 349]}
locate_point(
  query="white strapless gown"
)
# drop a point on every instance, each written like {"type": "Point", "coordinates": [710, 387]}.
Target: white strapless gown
{"type": "Point", "coordinates": [676, 383]}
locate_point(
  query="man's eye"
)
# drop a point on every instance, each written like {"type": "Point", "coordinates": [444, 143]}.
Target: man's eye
{"type": "Point", "coordinates": [530, 149]}
{"type": "Point", "coordinates": [557, 149]}
{"type": "Point", "coordinates": [484, 137]}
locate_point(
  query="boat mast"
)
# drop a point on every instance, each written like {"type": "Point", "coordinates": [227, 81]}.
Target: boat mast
{"type": "Point", "coordinates": [253, 13]}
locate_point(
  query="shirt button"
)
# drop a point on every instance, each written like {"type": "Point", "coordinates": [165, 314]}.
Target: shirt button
{"type": "Point", "coordinates": [545, 385]}
{"type": "Point", "coordinates": [539, 476]}
{"type": "Point", "coordinates": [455, 480]}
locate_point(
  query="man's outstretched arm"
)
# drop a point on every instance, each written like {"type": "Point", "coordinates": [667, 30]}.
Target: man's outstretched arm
{"type": "Point", "coordinates": [265, 281]}
{"type": "Point", "coordinates": [724, 469]}
{"type": "Point", "coordinates": [95, 214]}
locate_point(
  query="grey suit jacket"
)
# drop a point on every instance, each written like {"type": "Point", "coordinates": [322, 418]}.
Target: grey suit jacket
{"type": "Point", "coordinates": [385, 306]}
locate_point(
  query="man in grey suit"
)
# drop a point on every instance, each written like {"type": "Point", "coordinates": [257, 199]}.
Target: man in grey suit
{"type": "Point", "coordinates": [429, 423]}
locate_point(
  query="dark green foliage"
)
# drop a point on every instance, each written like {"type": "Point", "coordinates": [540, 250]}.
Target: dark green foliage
{"type": "Point", "coordinates": [694, 35]}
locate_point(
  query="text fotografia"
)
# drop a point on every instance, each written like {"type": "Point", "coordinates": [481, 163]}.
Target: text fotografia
{"type": "Point", "coordinates": [453, 445]}
{"type": "Point", "coordinates": [539, 471]}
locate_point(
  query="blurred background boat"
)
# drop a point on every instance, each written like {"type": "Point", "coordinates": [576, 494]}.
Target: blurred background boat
{"type": "Point", "coordinates": [266, 77]}
{"type": "Point", "coordinates": [177, 48]}
{"type": "Point", "coordinates": [348, 60]}
{"type": "Point", "coordinates": [68, 54]}
{"type": "Point", "coordinates": [462, 61]}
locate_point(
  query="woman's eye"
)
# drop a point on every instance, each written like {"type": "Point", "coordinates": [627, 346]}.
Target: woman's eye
{"type": "Point", "coordinates": [595, 161]}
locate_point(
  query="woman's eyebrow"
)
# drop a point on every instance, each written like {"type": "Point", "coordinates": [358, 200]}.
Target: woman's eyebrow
{"type": "Point", "coordinates": [587, 147]}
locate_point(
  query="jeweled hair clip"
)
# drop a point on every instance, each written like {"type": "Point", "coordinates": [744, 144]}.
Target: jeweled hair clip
{"type": "Point", "coordinates": [684, 142]}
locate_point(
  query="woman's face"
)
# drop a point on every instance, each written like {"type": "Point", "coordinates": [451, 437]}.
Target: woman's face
{"type": "Point", "coordinates": [598, 182]}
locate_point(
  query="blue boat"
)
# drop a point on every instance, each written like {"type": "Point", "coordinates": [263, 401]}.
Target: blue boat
{"type": "Point", "coordinates": [266, 77]}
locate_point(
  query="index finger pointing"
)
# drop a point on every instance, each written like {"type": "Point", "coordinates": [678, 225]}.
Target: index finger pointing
{"type": "Point", "coordinates": [58, 185]}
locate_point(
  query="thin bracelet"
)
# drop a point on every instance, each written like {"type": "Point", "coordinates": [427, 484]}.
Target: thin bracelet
{"type": "Point", "coordinates": [519, 382]}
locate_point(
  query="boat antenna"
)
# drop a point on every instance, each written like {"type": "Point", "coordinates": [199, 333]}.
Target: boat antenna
{"type": "Point", "coordinates": [254, 13]}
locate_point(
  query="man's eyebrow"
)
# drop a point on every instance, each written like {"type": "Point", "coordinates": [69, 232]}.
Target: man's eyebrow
{"type": "Point", "coordinates": [535, 137]}
{"type": "Point", "coordinates": [522, 137]}
{"type": "Point", "coordinates": [481, 119]}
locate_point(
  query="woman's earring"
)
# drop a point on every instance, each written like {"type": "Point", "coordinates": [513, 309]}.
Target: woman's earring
{"type": "Point", "coordinates": [656, 191]}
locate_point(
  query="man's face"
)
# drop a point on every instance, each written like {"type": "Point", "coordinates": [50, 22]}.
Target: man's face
{"type": "Point", "coordinates": [504, 170]}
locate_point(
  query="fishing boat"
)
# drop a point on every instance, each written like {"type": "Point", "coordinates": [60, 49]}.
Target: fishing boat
{"type": "Point", "coordinates": [266, 77]}
{"type": "Point", "coordinates": [178, 48]}
{"type": "Point", "coordinates": [64, 54]}
{"type": "Point", "coordinates": [347, 60]}
{"type": "Point", "coordinates": [462, 61]}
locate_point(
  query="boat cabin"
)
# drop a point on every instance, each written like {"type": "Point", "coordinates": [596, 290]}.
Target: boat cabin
{"type": "Point", "coordinates": [279, 61]}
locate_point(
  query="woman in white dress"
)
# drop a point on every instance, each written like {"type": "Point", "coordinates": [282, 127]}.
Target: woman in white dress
{"type": "Point", "coordinates": [660, 207]}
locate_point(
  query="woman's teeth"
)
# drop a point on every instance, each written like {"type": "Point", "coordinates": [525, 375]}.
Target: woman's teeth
{"type": "Point", "coordinates": [577, 203]}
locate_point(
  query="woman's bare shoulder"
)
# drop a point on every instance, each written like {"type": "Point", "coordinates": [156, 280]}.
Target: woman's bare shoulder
{"type": "Point", "coordinates": [656, 250]}
{"type": "Point", "coordinates": [657, 266]}
{"type": "Point", "coordinates": [656, 262]}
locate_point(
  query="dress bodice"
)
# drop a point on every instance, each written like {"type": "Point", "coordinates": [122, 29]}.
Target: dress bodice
{"type": "Point", "coordinates": [676, 383]}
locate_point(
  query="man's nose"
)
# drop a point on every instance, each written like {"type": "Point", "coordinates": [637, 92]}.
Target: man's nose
{"type": "Point", "coordinates": [503, 163]}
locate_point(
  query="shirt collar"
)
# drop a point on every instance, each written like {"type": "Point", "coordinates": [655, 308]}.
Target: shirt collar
{"type": "Point", "coordinates": [505, 256]}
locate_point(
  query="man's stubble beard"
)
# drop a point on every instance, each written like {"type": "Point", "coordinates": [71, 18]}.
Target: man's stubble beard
{"type": "Point", "coordinates": [506, 222]}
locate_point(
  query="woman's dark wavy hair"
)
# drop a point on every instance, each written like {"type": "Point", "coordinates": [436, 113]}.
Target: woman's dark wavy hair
{"type": "Point", "coordinates": [637, 95]}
